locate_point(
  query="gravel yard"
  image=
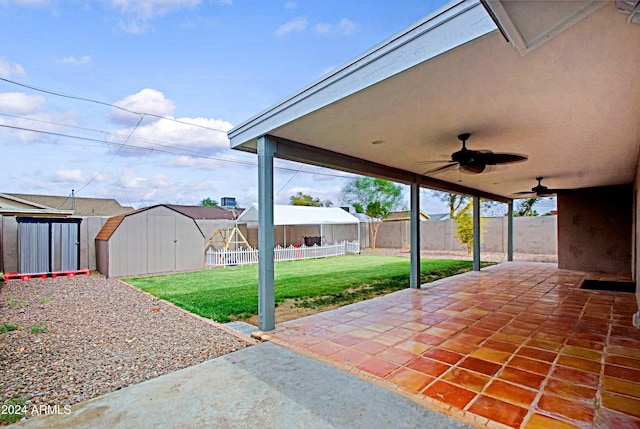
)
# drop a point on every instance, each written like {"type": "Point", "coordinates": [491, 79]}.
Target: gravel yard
{"type": "Point", "coordinates": [80, 337]}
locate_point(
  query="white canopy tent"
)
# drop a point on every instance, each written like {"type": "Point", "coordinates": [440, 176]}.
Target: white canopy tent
{"type": "Point", "coordinates": [302, 215]}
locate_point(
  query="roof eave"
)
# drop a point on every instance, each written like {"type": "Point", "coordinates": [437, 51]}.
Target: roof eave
{"type": "Point", "coordinates": [447, 28]}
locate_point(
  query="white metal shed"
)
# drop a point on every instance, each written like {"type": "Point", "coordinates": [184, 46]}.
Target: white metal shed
{"type": "Point", "coordinates": [287, 215]}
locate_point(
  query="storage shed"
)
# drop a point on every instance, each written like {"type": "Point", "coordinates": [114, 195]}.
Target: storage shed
{"type": "Point", "coordinates": [152, 240]}
{"type": "Point", "coordinates": [295, 223]}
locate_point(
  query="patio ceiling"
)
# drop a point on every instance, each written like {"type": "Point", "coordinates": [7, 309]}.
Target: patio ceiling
{"type": "Point", "coordinates": [572, 104]}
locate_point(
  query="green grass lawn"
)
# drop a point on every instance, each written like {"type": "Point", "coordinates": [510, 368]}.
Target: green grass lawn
{"type": "Point", "coordinates": [232, 293]}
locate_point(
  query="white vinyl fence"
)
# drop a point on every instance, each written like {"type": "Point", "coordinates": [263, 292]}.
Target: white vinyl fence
{"type": "Point", "coordinates": [227, 258]}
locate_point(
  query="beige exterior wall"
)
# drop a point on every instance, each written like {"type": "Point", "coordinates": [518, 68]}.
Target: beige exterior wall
{"type": "Point", "coordinates": [536, 235]}
{"type": "Point", "coordinates": [158, 240]}
{"type": "Point", "coordinates": [636, 230]}
{"type": "Point", "coordinates": [595, 229]}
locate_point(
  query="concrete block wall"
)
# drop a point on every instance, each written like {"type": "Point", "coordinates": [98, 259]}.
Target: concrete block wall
{"type": "Point", "coordinates": [536, 235]}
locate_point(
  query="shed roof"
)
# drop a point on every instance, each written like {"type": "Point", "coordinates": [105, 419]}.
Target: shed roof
{"type": "Point", "coordinates": [203, 212]}
{"type": "Point", "coordinates": [301, 215]}
{"type": "Point", "coordinates": [112, 224]}
{"type": "Point", "coordinates": [193, 212]}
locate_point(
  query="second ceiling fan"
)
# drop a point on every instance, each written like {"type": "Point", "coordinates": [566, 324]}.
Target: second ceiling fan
{"type": "Point", "coordinates": [540, 190]}
{"type": "Point", "coordinates": [475, 161]}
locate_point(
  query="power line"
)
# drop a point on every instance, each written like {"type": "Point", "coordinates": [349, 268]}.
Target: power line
{"type": "Point", "coordinates": [288, 181]}
{"type": "Point", "coordinates": [105, 133]}
{"type": "Point", "coordinates": [113, 157]}
{"type": "Point", "coordinates": [161, 150]}
{"type": "Point", "coordinates": [89, 100]}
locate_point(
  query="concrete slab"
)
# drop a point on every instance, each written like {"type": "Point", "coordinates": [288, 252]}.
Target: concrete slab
{"type": "Point", "coordinates": [243, 328]}
{"type": "Point", "coordinates": [263, 386]}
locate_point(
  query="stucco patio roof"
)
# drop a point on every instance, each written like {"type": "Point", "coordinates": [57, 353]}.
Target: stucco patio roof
{"type": "Point", "coordinates": [569, 101]}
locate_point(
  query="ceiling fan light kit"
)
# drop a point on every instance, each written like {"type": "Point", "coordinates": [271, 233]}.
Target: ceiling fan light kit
{"type": "Point", "coordinates": [476, 161]}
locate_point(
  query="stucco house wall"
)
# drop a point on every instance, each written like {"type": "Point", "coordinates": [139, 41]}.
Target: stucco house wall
{"type": "Point", "coordinates": [595, 229]}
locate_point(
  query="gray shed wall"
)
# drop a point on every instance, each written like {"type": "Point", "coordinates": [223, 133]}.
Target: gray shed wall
{"type": "Point", "coordinates": [157, 240]}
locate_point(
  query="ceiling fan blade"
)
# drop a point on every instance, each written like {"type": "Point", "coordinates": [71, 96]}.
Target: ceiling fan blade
{"type": "Point", "coordinates": [430, 161]}
{"type": "Point", "coordinates": [443, 168]}
{"type": "Point", "coordinates": [524, 193]}
{"type": "Point", "coordinates": [502, 158]}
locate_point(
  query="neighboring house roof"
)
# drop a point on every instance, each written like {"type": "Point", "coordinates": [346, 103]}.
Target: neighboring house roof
{"type": "Point", "coordinates": [204, 212]}
{"type": "Point", "coordinates": [301, 215]}
{"type": "Point", "coordinates": [81, 206]}
{"type": "Point", "coordinates": [439, 216]}
{"type": "Point", "coordinates": [13, 206]}
{"type": "Point", "coordinates": [403, 215]}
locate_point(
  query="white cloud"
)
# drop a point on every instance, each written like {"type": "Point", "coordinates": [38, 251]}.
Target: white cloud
{"type": "Point", "coordinates": [38, 119]}
{"type": "Point", "coordinates": [323, 28]}
{"type": "Point", "coordinates": [170, 136]}
{"type": "Point", "coordinates": [147, 9]}
{"type": "Point", "coordinates": [298, 24]}
{"type": "Point", "coordinates": [9, 69]}
{"type": "Point", "coordinates": [134, 27]}
{"type": "Point", "coordinates": [76, 61]}
{"type": "Point", "coordinates": [68, 175]}
{"type": "Point", "coordinates": [347, 27]}
{"type": "Point", "coordinates": [101, 177]}
{"type": "Point", "coordinates": [192, 162]}
{"type": "Point", "coordinates": [24, 2]}
{"type": "Point", "coordinates": [18, 103]}
{"type": "Point", "coordinates": [138, 13]}
{"type": "Point", "coordinates": [290, 5]}
{"type": "Point", "coordinates": [146, 101]}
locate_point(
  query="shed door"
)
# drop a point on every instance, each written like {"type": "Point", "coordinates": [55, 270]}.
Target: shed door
{"type": "Point", "coordinates": [33, 247]}
{"type": "Point", "coordinates": [65, 242]}
{"type": "Point", "coordinates": [161, 233]}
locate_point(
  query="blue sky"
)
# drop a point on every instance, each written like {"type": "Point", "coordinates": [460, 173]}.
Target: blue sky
{"type": "Point", "coordinates": [214, 64]}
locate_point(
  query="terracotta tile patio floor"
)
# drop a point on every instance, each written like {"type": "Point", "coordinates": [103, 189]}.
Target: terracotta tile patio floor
{"type": "Point", "coordinates": [516, 345]}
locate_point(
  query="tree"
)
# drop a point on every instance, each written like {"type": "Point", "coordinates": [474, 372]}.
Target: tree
{"type": "Point", "coordinates": [208, 202]}
{"type": "Point", "coordinates": [374, 197]}
{"type": "Point", "coordinates": [455, 202]}
{"type": "Point", "coordinates": [525, 207]}
{"type": "Point", "coordinates": [301, 199]}
{"type": "Point", "coordinates": [460, 211]}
